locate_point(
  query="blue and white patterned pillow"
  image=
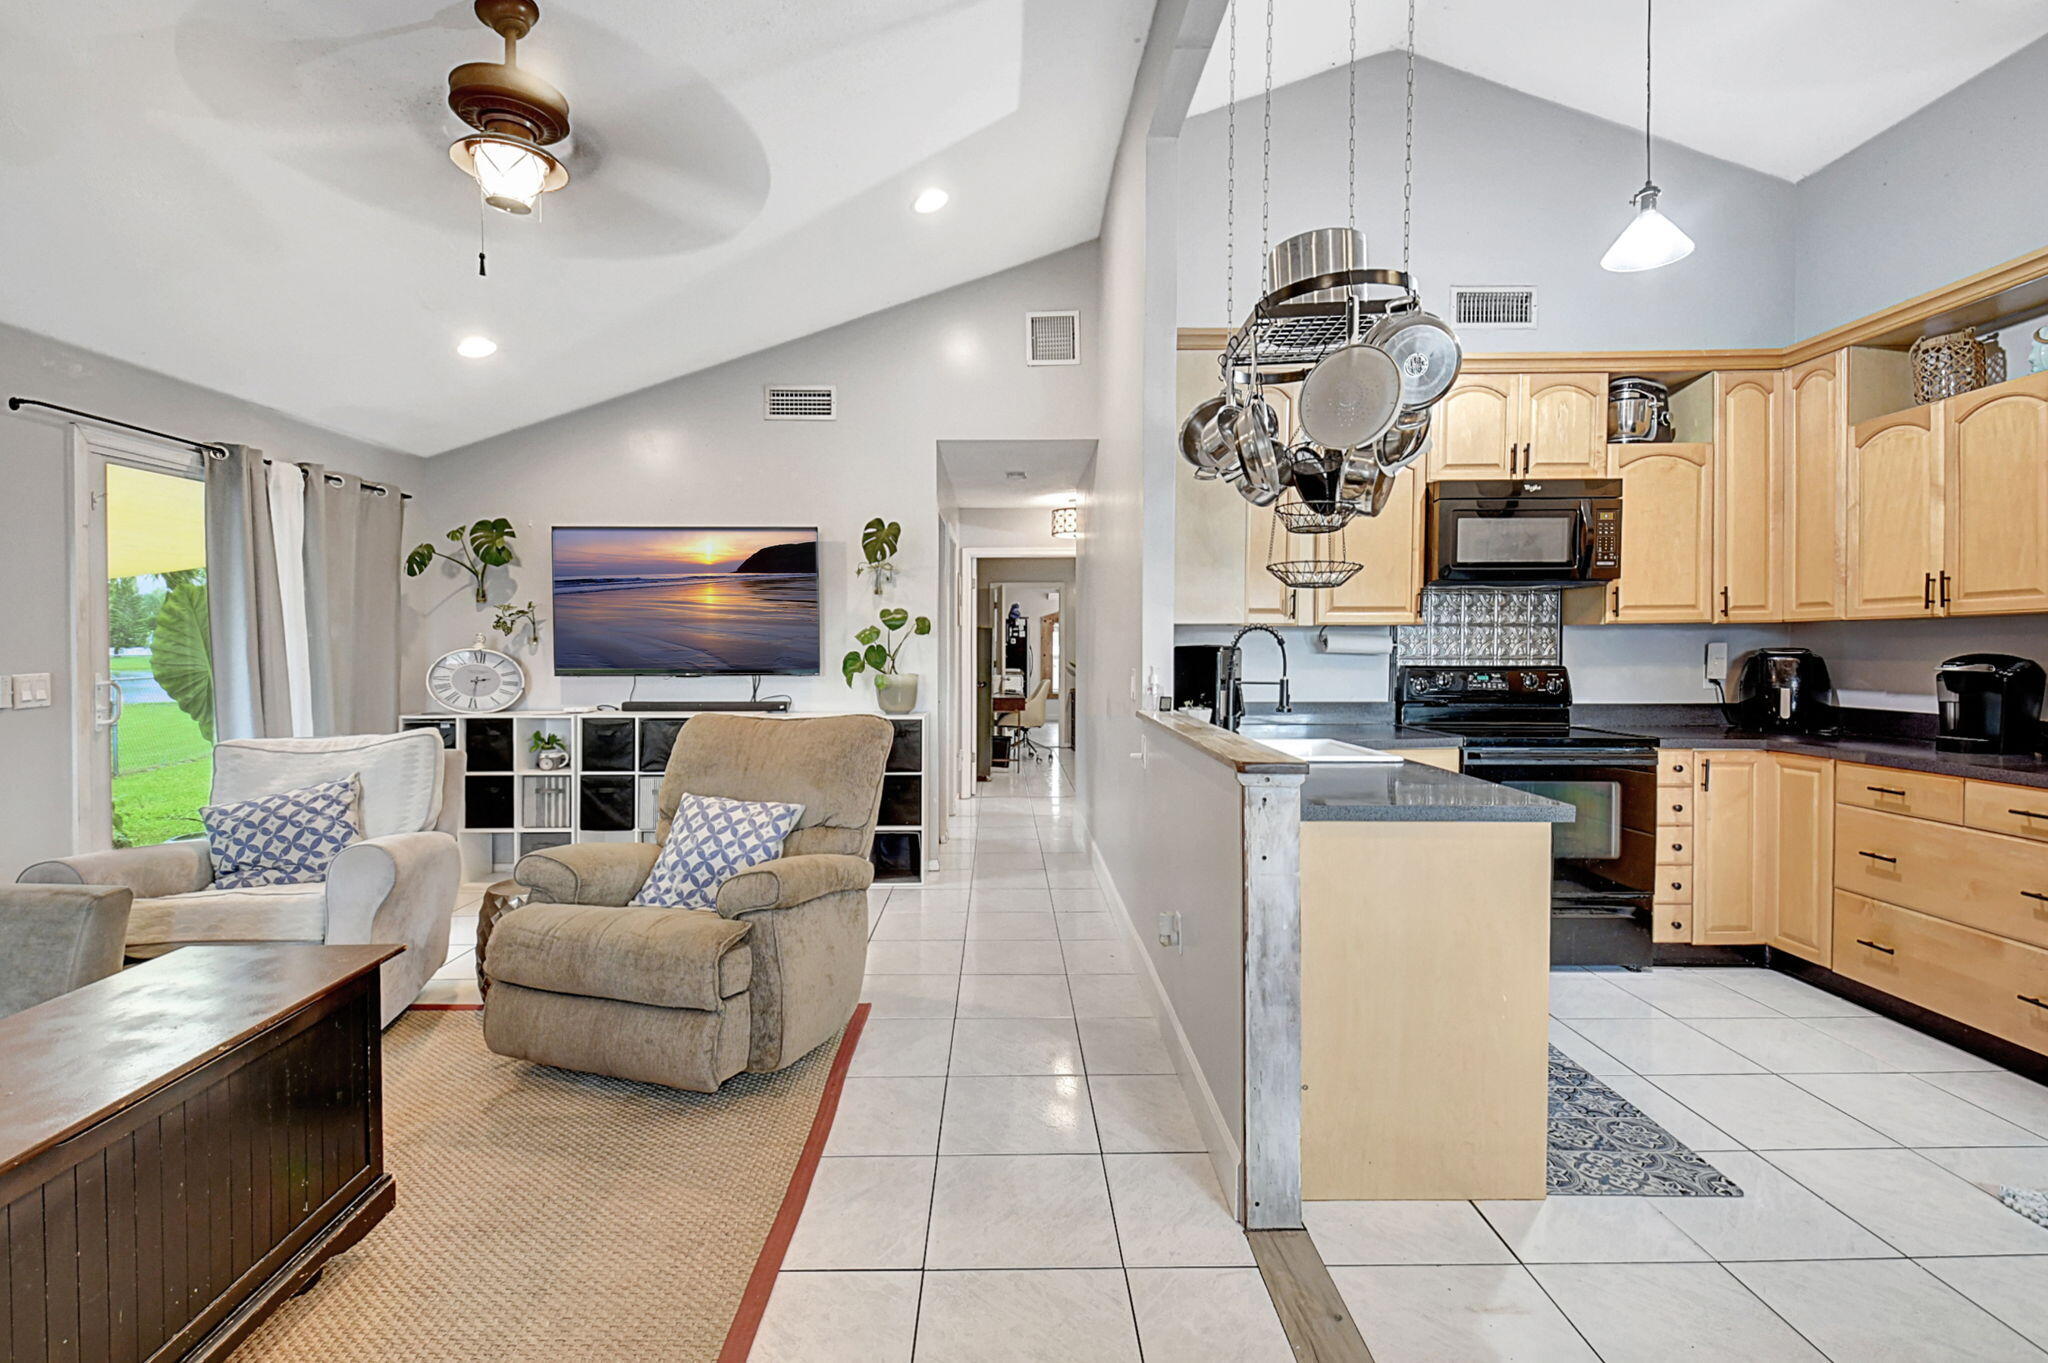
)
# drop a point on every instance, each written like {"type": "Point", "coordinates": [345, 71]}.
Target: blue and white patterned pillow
{"type": "Point", "coordinates": [290, 838]}
{"type": "Point", "coordinates": [712, 840]}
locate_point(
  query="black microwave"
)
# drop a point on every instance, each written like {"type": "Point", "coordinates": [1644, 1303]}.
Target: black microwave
{"type": "Point", "coordinates": [1557, 532]}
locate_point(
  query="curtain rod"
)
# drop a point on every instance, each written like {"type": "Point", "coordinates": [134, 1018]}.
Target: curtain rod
{"type": "Point", "coordinates": [211, 451]}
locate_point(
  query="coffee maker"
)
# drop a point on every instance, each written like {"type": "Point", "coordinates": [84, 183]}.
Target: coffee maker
{"type": "Point", "coordinates": [1990, 703]}
{"type": "Point", "coordinates": [1780, 690]}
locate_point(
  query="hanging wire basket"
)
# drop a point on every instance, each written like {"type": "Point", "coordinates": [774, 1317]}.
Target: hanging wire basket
{"type": "Point", "coordinates": [1315, 574]}
{"type": "Point", "coordinates": [1315, 518]}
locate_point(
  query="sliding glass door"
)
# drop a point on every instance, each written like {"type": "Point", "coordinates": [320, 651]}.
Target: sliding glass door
{"type": "Point", "coordinates": [145, 670]}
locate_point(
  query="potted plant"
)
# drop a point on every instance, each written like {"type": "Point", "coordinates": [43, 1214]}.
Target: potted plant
{"type": "Point", "coordinates": [895, 692]}
{"type": "Point", "coordinates": [550, 751]}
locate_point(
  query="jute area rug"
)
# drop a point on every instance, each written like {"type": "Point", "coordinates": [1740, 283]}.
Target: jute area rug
{"type": "Point", "coordinates": [550, 1216]}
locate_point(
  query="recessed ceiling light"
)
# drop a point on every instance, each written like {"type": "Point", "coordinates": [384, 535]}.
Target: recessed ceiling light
{"type": "Point", "coordinates": [931, 201]}
{"type": "Point", "coordinates": [476, 347]}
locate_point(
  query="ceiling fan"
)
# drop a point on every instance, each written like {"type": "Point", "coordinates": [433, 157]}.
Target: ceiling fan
{"type": "Point", "coordinates": [516, 116]}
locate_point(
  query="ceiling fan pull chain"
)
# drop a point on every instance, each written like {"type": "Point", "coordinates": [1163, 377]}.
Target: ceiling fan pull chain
{"type": "Point", "coordinates": [481, 273]}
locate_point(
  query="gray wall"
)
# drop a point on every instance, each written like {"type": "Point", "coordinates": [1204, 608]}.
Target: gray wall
{"type": "Point", "coordinates": [1509, 189]}
{"type": "Point", "coordinates": [36, 612]}
{"type": "Point", "coordinates": [1955, 189]}
{"type": "Point", "coordinates": [696, 451]}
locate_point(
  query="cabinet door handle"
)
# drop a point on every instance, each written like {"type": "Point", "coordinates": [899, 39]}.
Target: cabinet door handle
{"type": "Point", "coordinates": [1724, 603]}
{"type": "Point", "coordinates": [1866, 942]}
{"type": "Point", "coordinates": [1892, 790]}
{"type": "Point", "coordinates": [1879, 856]}
{"type": "Point", "coordinates": [1944, 589]}
{"type": "Point", "coordinates": [2035, 894]}
{"type": "Point", "coordinates": [1927, 599]}
{"type": "Point", "coordinates": [2029, 998]}
{"type": "Point", "coordinates": [2029, 813]}
{"type": "Point", "coordinates": [1706, 773]}
{"type": "Point", "coordinates": [1617, 598]}
{"type": "Point", "coordinates": [1293, 600]}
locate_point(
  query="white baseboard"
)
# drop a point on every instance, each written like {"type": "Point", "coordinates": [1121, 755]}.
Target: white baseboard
{"type": "Point", "coordinates": [1224, 1153]}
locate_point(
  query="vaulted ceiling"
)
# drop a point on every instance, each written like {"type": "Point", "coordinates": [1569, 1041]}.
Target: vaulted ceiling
{"type": "Point", "coordinates": [256, 195]}
{"type": "Point", "coordinates": [1780, 86]}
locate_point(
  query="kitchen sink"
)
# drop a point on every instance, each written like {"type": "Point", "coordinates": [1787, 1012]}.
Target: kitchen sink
{"type": "Point", "coordinates": [1320, 751]}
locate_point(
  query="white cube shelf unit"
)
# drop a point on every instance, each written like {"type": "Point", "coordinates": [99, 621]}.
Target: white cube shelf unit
{"type": "Point", "coordinates": [609, 790]}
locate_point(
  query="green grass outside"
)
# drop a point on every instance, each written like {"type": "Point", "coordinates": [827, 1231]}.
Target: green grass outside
{"type": "Point", "coordinates": [166, 771]}
{"type": "Point", "coordinates": [128, 662]}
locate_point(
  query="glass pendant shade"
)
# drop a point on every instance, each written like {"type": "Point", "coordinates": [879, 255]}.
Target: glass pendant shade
{"type": "Point", "coordinates": [1066, 522]}
{"type": "Point", "coordinates": [1650, 241]}
{"type": "Point", "coordinates": [511, 172]}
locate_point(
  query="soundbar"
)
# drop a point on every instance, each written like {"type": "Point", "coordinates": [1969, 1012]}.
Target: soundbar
{"type": "Point", "coordinates": [759, 707]}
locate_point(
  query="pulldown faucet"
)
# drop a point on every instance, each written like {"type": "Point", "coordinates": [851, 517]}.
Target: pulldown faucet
{"type": "Point", "coordinates": [1230, 687]}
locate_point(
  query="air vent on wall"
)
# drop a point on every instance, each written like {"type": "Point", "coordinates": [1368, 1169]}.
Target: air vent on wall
{"type": "Point", "coordinates": [789, 402]}
{"type": "Point", "coordinates": [1052, 338]}
{"type": "Point", "coordinates": [1493, 305]}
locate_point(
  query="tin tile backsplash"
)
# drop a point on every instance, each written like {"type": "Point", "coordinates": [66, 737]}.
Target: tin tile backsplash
{"type": "Point", "coordinates": [1481, 625]}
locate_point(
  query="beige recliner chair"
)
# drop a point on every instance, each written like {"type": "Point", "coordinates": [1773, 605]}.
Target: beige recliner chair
{"type": "Point", "coordinates": [398, 883]}
{"type": "Point", "coordinates": [686, 997]}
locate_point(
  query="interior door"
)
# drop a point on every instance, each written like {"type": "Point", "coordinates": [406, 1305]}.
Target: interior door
{"type": "Point", "coordinates": [142, 699]}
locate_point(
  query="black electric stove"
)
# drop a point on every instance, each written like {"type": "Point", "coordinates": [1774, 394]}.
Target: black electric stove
{"type": "Point", "coordinates": [1516, 728]}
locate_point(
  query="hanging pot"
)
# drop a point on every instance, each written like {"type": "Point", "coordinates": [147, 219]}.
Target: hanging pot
{"type": "Point", "coordinates": [1365, 484]}
{"type": "Point", "coordinates": [1251, 442]}
{"type": "Point", "coordinates": [1351, 397]}
{"type": "Point", "coordinates": [1308, 470]}
{"type": "Point", "coordinates": [1198, 440]}
{"type": "Point", "coordinates": [1425, 352]}
{"type": "Point", "coordinates": [1309, 255]}
{"type": "Point", "coordinates": [1405, 444]}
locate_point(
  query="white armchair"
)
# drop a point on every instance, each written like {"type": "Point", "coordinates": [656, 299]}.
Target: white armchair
{"type": "Point", "coordinates": [398, 883]}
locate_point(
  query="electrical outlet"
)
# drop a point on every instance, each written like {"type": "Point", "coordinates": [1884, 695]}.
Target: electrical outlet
{"type": "Point", "coordinates": [1716, 664]}
{"type": "Point", "coordinates": [31, 690]}
{"type": "Point", "coordinates": [1169, 930]}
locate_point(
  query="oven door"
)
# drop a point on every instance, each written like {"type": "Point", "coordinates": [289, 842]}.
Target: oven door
{"type": "Point", "coordinates": [1515, 541]}
{"type": "Point", "coordinates": [1603, 863]}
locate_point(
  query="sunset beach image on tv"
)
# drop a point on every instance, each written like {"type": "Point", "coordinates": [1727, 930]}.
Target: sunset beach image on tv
{"type": "Point", "coordinates": [642, 599]}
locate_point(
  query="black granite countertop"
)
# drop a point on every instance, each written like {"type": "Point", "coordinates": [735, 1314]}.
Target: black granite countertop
{"type": "Point", "coordinates": [1368, 724]}
{"type": "Point", "coordinates": [1415, 793]}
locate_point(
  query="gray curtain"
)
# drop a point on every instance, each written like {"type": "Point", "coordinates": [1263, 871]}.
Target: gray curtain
{"type": "Point", "coordinates": [251, 694]}
{"type": "Point", "coordinates": [353, 533]}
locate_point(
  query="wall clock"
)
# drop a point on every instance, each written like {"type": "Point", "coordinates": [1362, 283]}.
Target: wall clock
{"type": "Point", "coordinates": [475, 679]}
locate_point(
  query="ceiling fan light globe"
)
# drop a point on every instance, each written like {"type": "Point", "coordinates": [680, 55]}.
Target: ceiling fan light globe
{"type": "Point", "coordinates": [1649, 242]}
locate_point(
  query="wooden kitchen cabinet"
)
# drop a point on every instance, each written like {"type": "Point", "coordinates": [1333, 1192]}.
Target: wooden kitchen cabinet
{"type": "Point", "coordinates": [1667, 534]}
{"type": "Point", "coordinates": [1815, 421]}
{"type": "Point", "coordinates": [1476, 430]}
{"type": "Point", "coordinates": [1267, 600]}
{"type": "Point", "coordinates": [1209, 520]}
{"type": "Point", "coordinates": [1386, 590]}
{"type": "Point", "coordinates": [1894, 477]}
{"type": "Point", "coordinates": [1731, 890]}
{"type": "Point", "coordinates": [1799, 820]}
{"type": "Point", "coordinates": [1996, 490]}
{"type": "Point", "coordinates": [1748, 497]}
{"type": "Point", "coordinates": [1521, 425]}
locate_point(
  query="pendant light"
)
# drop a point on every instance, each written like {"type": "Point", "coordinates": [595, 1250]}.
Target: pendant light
{"type": "Point", "coordinates": [1652, 240]}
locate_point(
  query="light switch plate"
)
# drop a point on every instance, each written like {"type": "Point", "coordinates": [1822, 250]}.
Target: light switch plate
{"type": "Point", "coordinates": [31, 690]}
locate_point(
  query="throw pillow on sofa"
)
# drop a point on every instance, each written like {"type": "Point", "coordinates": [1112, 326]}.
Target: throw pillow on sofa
{"type": "Point", "coordinates": [712, 840]}
{"type": "Point", "coordinates": [290, 838]}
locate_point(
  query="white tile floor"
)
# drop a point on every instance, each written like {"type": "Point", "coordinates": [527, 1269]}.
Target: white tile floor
{"type": "Point", "coordinates": [1015, 1175]}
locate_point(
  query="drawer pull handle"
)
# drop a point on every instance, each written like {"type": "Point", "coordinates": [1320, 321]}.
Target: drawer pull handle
{"type": "Point", "coordinates": [2035, 894]}
{"type": "Point", "coordinates": [1866, 942]}
{"type": "Point", "coordinates": [1678, 809]}
{"type": "Point", "coordinates": [1879, 856]}
{"type": "Point", "coordinates": [1680, 847]}
{"type": "Point", "coordinates": [2029, 998]}
{"type": "Point", "coordinates": [2029, 813]}
{"type": "Point", "coordinates": [1677, 884]}
{"type": "Point", "coordinates": [1888, 790]}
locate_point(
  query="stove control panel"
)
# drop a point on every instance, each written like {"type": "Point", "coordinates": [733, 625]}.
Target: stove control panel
{"type": "Point", "coordinates": [1485, 685]}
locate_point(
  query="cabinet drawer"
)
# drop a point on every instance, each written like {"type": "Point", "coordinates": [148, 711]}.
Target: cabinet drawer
{"type": "Point", "coordinates": [1917, 793]}
{"type": "Point", "coordinates": [1674, 807]}
{"type": "Point", "coordinates": [1982, 880]}
{"type": "Point", "coordinates": [1671, 923]}
{"type": "Point", "coordinates": [1989, 982]}
{"type": "Point", "coordinates": [1675, 767]}
{"type": "Point", "coordinates": [1673, 885]}
{"type": "Point", "coordinates": [2019, 810]}
{"type": "Point", "coordinates": [1674, 845]}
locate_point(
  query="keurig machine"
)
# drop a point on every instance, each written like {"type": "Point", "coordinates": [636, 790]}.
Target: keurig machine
{"type": "Point", "coordinates": [1990, 703]}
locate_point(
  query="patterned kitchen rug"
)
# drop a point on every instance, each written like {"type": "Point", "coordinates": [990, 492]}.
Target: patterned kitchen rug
{"type": "Point", "coordinates": [1602, 1144]}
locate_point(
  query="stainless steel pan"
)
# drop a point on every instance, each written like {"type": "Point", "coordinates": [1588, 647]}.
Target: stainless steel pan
{"type": "Point", "coordinates": [1425, 352]}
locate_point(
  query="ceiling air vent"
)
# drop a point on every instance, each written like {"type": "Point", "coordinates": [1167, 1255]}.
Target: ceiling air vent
{"type": "Point", "coordinates": [1052, 338]}
{"type": "Point", "coordinates": [807, 402]}
{"type": "Point", "coordinates": [1493, 305]}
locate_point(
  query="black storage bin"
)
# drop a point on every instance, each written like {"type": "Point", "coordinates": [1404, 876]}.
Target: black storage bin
{"type": "Point", "coordinates": [607, 743]}
{"type": "Point", "coordinates": [607, 804]}
{"type": "Point", "coordinates": [490, 745]}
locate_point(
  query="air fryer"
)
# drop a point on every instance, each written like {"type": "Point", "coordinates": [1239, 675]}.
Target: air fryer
{"type": "Point", "coordinates": [1779, 690]}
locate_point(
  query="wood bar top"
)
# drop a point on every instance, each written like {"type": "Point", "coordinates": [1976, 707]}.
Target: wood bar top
{"type": "Point", "coordinates": [75, 1059]}
{"type": "Point", "coordinates": [1233, 750]}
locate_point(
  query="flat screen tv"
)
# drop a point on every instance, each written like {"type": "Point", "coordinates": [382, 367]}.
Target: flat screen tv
{"type": "Point", "coordinates": [635, 600]}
